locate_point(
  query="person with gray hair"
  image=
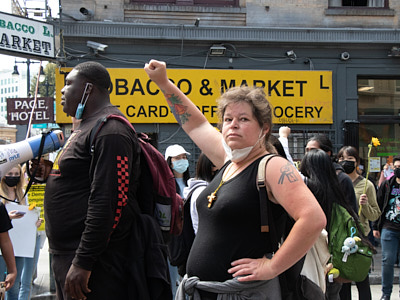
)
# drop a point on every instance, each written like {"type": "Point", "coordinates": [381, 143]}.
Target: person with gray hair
{"type": "Point", "coordinates": [228, 256]}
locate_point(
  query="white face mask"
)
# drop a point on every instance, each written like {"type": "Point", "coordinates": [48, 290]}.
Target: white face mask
{"type": "Point", "coordinates": [237, 155]}
{"type": "Point", "coordinates": [180, 166]}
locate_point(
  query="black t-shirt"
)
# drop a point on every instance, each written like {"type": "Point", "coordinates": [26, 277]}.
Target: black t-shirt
{"type": "Point", "coordinates": [5, 222]}
{"type": "Point", "coordinates": [391, 215]}
{"type": "Point", "coordinates": [230, 229]}
{"type": "Point", "coordinates": [86, 194]}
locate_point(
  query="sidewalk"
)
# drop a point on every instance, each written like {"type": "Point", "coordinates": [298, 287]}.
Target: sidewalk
{"type": "Point", "coordinates": [41, 286]}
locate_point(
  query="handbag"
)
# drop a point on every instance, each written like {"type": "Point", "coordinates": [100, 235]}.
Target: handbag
{"type": "Point", "coordinates": [317, 258]}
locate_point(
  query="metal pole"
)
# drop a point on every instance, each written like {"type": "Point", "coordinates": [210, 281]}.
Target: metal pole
{"type": "Point", "coordinates": [28, 77]}
{"type": "Point", "coordinates": [47, 87]}
{"type": "Point", "coordinates": [28, 87]}
{"type": "Point", "coordinates": [45, 9]}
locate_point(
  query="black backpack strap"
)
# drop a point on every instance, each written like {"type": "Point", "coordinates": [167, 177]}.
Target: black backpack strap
{"type": "Point", "coordinates": [263, 193]}
{"type": "Point", "coordinates": [358, 179]}
{"type": "Point", "coordinates": [288, 280]}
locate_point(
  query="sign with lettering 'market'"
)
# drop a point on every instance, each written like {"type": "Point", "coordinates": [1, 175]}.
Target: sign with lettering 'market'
{"type": "Point", "coordinates": [297, 97]}
{"type": "Point", "coordinates": [26, 36]}
{"type": "Point", "coordinates": [19, 110]}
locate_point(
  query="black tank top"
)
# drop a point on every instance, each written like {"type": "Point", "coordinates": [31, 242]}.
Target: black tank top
{"type": "Point", "coordinates": [230, 229]}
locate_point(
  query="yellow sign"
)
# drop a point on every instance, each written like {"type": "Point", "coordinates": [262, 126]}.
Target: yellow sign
{"type": "Point", "coordinates": [297, 97]}
{"type": "Point", "coordinates": [36, 194]}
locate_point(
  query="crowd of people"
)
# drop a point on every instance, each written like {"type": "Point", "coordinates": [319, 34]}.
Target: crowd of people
{"type": "Point", "coordinates": [91, 210]}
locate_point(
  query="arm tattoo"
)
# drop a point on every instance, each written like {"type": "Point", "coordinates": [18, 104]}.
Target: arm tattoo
{"type": "Point", "coordinates": [177, 108]}
{"type": "Point", "coordinates": [287, 171]}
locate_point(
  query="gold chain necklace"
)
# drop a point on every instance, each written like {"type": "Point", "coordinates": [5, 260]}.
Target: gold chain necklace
{"type": "Point", "coordinates": [213, 196]}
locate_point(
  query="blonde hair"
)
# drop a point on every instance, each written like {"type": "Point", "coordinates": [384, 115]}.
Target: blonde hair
{"type": "Point", "coordinates": [19, 191]}
{"type": "Point", "coordinates": [260, 106]}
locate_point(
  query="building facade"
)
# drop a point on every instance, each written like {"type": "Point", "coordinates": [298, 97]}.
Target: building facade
{"type": "Point", "coordinates": [9, 88]}
{"type": "Point", "coordinates": [284, 46]}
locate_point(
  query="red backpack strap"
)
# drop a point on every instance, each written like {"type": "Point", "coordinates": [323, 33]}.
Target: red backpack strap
{"type": "Point", "coordinates": [100, 123]}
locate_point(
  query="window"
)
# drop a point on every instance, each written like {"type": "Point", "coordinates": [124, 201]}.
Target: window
{"type": "Point", "coordinates": [354, 3]}
{"type": "Point", "coordinates": [378, 97]}
{"type": "Point", "coordinates": [359, 3]}
{"type": "Point", "coordinates": [389, 138]}
{"type": "Point", "coordinates": [298, 141]}
{"type": "Point", "coordinates": [191, 2]}
{"type": "Point", "coordinates": [379, 115]}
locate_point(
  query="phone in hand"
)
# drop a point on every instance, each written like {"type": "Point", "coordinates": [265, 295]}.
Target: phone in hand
{"type": "Point", "coordinates": [20, 212]}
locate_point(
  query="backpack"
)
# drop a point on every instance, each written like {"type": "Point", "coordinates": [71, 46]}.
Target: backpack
{"type": "Point", "coordinates": [293, 285]}
{"type": "Point", "coordinates": [179, 246]}
{"type": "Point", "coordinates": [349, 253]}
{"type": "Point", "coordinates": [156, 194]}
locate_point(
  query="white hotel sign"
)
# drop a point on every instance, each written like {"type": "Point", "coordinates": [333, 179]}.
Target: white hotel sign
{"type": "Point", "coordinates": [26, 36]}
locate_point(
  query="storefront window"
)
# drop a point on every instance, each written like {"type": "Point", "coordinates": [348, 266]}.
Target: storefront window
{"type": "Point", "coordinates": [379, 115]}
{"type": "Point", "coordinates": [190, 2]}
{"type": "Point", "coordinates": [378, 97]}
{"type": "Point", "coordinates": [359, 3]}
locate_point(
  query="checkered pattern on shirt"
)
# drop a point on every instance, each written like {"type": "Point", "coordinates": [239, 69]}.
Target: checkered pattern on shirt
{"type": "Point", "coordinates": [123, 184]}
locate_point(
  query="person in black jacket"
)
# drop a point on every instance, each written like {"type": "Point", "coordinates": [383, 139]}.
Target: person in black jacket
{"type": "Point", "coordinates": [387, 227]}
{"type": "Point", "coordinates": [90, 196]}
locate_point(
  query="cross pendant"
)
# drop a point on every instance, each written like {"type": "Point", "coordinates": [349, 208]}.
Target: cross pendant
{"type": "Point", "coordinates": [211, 199]}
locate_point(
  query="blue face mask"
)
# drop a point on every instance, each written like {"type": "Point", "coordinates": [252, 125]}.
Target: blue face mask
{"type": "Point", "coordinates": [180, 166]}
{"type": "Point", "coordinates": [81, 105]}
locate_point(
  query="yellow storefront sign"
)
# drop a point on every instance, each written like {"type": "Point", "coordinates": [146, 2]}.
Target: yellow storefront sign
{"type": "Point", "coordinates": [36, 195]}
{"type": "Point", "coordinates": [297, 97]}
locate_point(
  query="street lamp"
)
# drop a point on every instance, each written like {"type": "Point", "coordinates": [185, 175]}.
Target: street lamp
{"type": "Point", "coordinates": [47, 85]}
{"type": "Point", "coordinates": [28, 63]}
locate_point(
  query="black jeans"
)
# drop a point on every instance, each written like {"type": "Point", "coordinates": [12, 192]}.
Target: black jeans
{"type": "Point", "coordinates": [109, 278]}
{"type": "Point", "coordinates": [364, 290]}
